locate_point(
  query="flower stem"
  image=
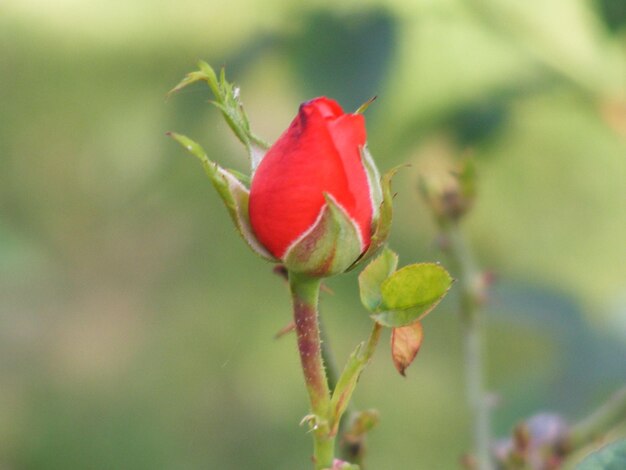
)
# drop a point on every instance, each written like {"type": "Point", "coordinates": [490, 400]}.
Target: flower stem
{"type": "Point", "coordinates": [332, 374]}
{"type": "Point", "coordinates": [472, 294]}
{"type": "Point", "coordinates": [305, 295]}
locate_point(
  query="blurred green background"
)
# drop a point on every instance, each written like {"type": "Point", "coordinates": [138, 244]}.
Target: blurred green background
{"type": "Point", "coordinates": [136, 328]}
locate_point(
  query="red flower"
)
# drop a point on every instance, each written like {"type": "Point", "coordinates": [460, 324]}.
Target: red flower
{"type": "Point", "coordinates": [316, 203]}
{"type": "Point", "coordinates": [318, 157]}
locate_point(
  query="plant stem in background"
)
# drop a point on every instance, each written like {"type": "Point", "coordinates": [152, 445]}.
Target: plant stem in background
{"type": "Point", "coordinates": [305, 295]}
{"type": "Point", "coordinates": [472, 293]}
{"type": "Point", "coordinates": [595, 425]}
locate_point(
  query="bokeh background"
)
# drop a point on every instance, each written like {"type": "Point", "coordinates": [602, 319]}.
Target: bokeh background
{"type": "Point", "coordinates": [136, 330]}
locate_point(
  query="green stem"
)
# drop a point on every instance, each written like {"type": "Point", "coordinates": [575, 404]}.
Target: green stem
{"type": "Point", "coordinates": [475, 390]}
{"type": "Point", "coordinates": [595, 425]}
{"type": "Point", "coordinates": [332, 373]}
{"type": "Point", "coordinates": [350, 375]}
{"type": "Point", "coordinates": [349, 449]}
{"type": "Point", "coordinates": [305, 295]}
{"type": "Point", "coordinates": [471, 295]}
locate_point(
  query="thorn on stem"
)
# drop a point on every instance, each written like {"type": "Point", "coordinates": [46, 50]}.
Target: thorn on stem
{"type": "Point", "coordinates": [281, 271]}
{"type": "Point", "coordinates": [284, 330]}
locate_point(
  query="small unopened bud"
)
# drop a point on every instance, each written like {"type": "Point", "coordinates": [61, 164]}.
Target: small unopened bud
{"type": "Point", "coordinates": [449, 192]}
{"type": "Point", "coordinates": [533, 442]}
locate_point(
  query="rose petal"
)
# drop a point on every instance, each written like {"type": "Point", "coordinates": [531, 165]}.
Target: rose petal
{"type": "Point", "coordinates": [348, 133]}
{"type": "Point", "coordinates": [328, 108]}
{"type": "Point", "coordinates": [286, 194]}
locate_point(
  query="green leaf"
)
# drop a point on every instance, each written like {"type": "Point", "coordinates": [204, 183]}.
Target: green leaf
{"type": "Point", "coordinates": [349, 377]}
{"type": "Point", "coordinates": [345, 386]}
{"type": "Point", "coordinates": [227, 101]}
{"type": "Point", "coordinates": [372, 277]}
{"type": "Point", "coordinates": [415, 285]}
{"type": "Point", "coordinates": [233, 193]}
{"type": "Point", "coordinates": [233, 121]}
{"type": "Point", "coordinates": [211, 77]}
{"type": "Point", "coordinates": [329, 247]}
{"type": "Point", "coordinates": [412, 292]}
{"type": "Point", "coordinates": [189, 79]}
{"type": "Point", "coordinates": [610, 457]}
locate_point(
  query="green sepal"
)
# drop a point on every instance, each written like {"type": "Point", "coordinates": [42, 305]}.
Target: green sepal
{"type": "Point", "coordinates": [373, 276]}
{"type": "Point", "coordinates": [227, 101]}
{"type": "Point", "coordinates": [385, 214]}
{"type": "Point", "coordinates": [243, 179]}
{"type": "Point", "coordinates": [411, 293]}
{"type": "Point", "coordinates": [373, 178]}
{"type": "Point", "coordinates": [361, 109]}
{"type": "Point", "coordinates": [381, 224]}
{"type": "Point", "coordinates": [197, 76]}
{"type": "Point", "coordinates": [329, 247]}
{"type": "Point", "coordinates": [232, 191]}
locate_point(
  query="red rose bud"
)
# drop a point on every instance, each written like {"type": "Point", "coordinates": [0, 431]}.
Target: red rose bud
{"type": "Point", "coordinates": [317, 203]}
{"type": "Point", "coordinates": [316, 193]}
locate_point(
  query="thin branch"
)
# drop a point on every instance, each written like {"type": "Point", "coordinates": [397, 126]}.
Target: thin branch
{"type": "Point", "coordinates": [471, 296]}
{"type": "Point", "coordinates": [594, 426]}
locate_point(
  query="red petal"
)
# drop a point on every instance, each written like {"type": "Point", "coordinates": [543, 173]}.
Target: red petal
{"type": "Point", "coordinates": [318, 153]}
{"type": "Point", "coordinates": [349, 136]}
{"type": "Point", "coordinates": [286, 194]}
{"type": "Point", "coordinates": [326, 107]}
